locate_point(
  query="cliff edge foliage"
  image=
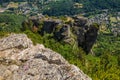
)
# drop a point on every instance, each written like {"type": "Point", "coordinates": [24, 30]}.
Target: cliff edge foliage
{"type": "Point", "coordinates": [71, 37]}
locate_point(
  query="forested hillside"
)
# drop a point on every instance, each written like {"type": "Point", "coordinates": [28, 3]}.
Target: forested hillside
{"type": "Point", "coordinates": [85, 32]}
{"type": "Point", "coordinates": [71, 7]}
{"type": "Point", "coordinates": [103, 62]}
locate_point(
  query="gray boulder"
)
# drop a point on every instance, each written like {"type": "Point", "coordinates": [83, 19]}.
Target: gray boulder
{"type": "Point", "coordinates": [33, 62]}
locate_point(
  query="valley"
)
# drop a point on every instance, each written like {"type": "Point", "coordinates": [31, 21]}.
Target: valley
{"type": "Point", "coordinates": [85, 33]}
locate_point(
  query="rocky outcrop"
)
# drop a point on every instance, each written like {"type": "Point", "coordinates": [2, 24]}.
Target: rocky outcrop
{"type": "Point", "coordinates": [63, 33]}
{"type": "Point", "coordinates": [90, 37]}
{"type": "Point", "coordinates": [21, 60]}
{"type": "Point", "coordinates": [85, 35]}
{"type": "Point", "coordinates": [50, 25]}
{"type": "Point", "coordinates": [73, 30]}
{"type": "Point", "coordinates": [80, 21]}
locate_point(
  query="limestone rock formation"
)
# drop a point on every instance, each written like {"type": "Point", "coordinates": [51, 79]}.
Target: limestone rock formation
{"type": "Point", "coordinates": [86, 34]}
{"type": "Point", "coordinates": [83, 34]}
{"type": "Point", "coordinates": [21, 60]}
{"type": "Point", "coordinates": [50, 25]}
{"type": "Point", "coordinates": [74, 30]}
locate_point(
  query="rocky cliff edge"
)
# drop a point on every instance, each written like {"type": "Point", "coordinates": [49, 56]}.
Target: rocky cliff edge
{"type": "Point", "coordinates": [21, 60]}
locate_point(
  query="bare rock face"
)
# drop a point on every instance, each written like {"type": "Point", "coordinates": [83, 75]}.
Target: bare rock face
{"type": "Point", "coordinates": [12, 41]}
{"type": "Point", "coordinates": [49, 26]}
{"type": "Point", "coordinates": [21, 60]}
{"type": "Point", "coordinates": [73, 30]}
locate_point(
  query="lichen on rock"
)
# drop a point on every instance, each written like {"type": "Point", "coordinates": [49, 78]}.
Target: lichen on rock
{"type": "Point", "coordinates": [33, 62]}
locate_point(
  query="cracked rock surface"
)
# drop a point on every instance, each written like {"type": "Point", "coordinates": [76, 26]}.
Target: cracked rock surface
{"type": "Point", "coordinates": [21, 60]}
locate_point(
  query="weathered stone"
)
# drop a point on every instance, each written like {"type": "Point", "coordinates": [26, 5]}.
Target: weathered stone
{"type": "Point", "coordinates": [80, 21]}
{"type": "Point", "coordinates": [80, 32]}
{"type": "Point", "coordinates": [14, 42]}
{"type": "Point", "coordinates": [75, 30]}
{"type": "Point", "coordinates": [1, 78]}
{"type": "Point", "coordinates": [63, 33]}
{"type": "Point", "coordinates": [90, 37]}
{"type": "Point", "coordinates": [49, 26]}
{"type": "Point", "coordinates": [37, 62]}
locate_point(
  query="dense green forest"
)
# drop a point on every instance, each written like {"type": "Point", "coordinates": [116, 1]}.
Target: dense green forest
{"type": "Point", "coordinates": [70, 7]}
{"type": "Point", "coordinates": [7, 21]}
{"type": "Point", "coordinates": [103, 65]}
